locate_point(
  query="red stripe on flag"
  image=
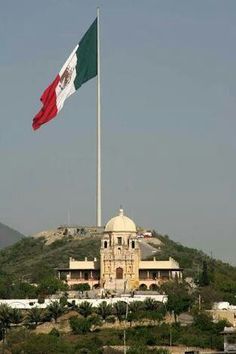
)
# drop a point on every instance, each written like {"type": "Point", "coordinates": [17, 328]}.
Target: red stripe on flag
{"type": "Point", "coordinates": [49, 109]}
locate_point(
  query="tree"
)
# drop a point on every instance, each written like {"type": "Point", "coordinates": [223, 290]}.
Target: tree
{"type": "Point", "coordinates": [50, 285]}
{"type": "Point", "coordinates": [80, 325]}
{"type": "Point", "coordinates": [136, 311]}
{"type": "Point", "coordinates": [23, 290]}
{"type": "Point", "coordinates": [55, 310]}
{"type": "Point", "coordinates": [16, 316]}
{"type": "Point", "coordinates": [204, 278]}
{"type": "Point", "coordinates": [5, 316]}
{"type": "Point", "coordinates": [136, 306]}
{"type": "Point", "coordinates": [81, 287]}
{"type": "Point", "coordinates": [104, 310]}
{"type": "Point", "coordinates": [120, 308]}
{"type": "Point", "coordinates": [203, 321]}
{"type": "Point", "coordinates": [85, 309]}
{"type": "Point", "coordinates": [151, 304]}
{"type": "Point", "coordinates": [34, 316]}
{"type": "Point", "coordinates": [179, 299]}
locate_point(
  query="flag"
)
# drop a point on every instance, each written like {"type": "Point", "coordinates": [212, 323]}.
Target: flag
{"type": "Point", "coordinates": [80, 67]}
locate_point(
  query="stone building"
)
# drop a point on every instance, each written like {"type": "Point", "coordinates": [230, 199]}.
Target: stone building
{"type": "Point", "coordinates": [120, 266]}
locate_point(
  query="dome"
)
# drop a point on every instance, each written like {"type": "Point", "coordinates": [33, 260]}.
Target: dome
{"type": "Point", "coordinates": [120, 223]}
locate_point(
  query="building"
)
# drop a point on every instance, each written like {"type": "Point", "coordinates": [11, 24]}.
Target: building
{"type": "Point", "coordinates": [229, 334]}
{"type": "Point", "coordinates": [120, 267]}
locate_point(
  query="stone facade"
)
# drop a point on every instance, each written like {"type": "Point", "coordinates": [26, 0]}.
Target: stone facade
{"type": "Point", "coordinates": [120, 267]}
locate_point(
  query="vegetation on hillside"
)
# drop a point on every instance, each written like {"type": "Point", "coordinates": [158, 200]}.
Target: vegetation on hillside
{"type": "Point", "coordinates": [216, 279]}
{"type": "Point", "coordinates": [31, 260]}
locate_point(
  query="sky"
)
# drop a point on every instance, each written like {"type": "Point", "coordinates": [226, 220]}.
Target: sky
{"type": "Point", "coordinates": [168, 85]}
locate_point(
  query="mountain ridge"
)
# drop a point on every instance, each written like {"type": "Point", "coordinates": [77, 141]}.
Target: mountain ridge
{"type": "Point", "coordinates": [8, 236]}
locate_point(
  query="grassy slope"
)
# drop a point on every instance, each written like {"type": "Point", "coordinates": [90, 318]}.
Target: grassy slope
{"type": "Point", "coordinates": [30, 257]}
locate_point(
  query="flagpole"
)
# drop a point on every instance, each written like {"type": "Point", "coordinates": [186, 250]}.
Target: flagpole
{"type": "Point", "coordinates": [99, 207]}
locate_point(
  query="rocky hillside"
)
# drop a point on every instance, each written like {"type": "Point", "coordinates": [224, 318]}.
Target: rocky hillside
{"type": "Point", "coordinates": [8, 236]}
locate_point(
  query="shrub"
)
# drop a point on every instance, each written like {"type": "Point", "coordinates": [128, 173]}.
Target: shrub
{"type": "Point", "coordinates": [80, 325]}
{"type": "Point", "coordinates": [203, 322]}
{"type": "Point", "coordinates": [111, 319]}
{"type": "Point", "coordinates": [80, 287]}
{"type": "Point", "coordinates": [85, 309]}
{"type": "Point", "coordinates": [54, 332]}
{"type": "Point", "coordinates": [161, 351]}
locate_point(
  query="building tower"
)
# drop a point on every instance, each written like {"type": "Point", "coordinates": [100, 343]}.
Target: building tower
{"type": "Point", "coordinates": [120, 255]}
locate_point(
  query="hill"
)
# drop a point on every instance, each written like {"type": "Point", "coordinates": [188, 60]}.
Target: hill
{"type": "Point", "coordinates": [8, 236]}
{"type": "Point", "coordinates": [33, 259]}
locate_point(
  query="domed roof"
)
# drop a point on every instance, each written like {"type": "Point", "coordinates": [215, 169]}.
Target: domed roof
{"type": "Point", "coordinates": [120, 223]}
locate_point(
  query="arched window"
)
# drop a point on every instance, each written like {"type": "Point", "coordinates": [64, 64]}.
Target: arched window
{"type": "Point", "coordinates": [133, 244]}
{"type": "Point", "coordinates": [105, 244]}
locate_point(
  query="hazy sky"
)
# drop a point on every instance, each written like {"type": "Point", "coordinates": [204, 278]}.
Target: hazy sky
{"type": "Point", "coordinates": [168, 118]}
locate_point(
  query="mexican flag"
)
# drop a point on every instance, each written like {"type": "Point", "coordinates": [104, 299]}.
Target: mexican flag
{"type": "Point", "coordinates": [80, 67]}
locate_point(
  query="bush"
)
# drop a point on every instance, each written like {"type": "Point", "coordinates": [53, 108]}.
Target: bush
{"type": "Point", "coordinates": [111, 319]}
{"type": "Point", "coordinates": [95, 320]}
{"type": "Point", "coordinates": [54, 332]}
{"type": "Point", "coordinates": [80, 325]}
{"type": "Point", "coordinates": [80, 287]}
{"type": "Point", "coordinates": [203, 322]}
{"type": "Point", "coordinates": [161, 351]}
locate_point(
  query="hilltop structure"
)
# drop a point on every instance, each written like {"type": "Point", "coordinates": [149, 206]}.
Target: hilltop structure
{"type": "Point", "coordinates": [120, 267]}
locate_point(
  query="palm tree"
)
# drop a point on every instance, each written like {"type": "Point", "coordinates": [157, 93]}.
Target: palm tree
{"type": "Point", "coordinates": [34, 316]}
{"type": "Point", "coordinates": [136, 307]}
{"type": "Point", "coordinates": [55, 309]}
{"type": "Point", "coordinates": [104, 310]}
{"type": "Point", "coordinates": [154, 310]}
{"type": "Point", "coordinates": [151, 304]}
{"type": "Point", "coordinates": [5, 319]}
{"type": "Point", "coordinates": [85, 309]}
{"type": "Point", "coordinates": [5, 316]}
{"type": "Point", "coordinates": [16, 316]}
{"type": "Point", "coordinates": [120, 308]}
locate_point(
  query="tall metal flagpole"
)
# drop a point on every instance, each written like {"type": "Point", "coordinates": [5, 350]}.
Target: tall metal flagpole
{"type": "Point", "coordinates": [99, 207]}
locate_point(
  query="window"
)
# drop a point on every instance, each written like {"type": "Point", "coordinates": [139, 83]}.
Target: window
{"type": "Point", "coordinates": [105, 244]}
{"type": "Point", "coordinates": [119, 240]}
{"type": "Point", "coordinates": [133, 244]}
{"type": "Point", "coordinates": [154, 275]}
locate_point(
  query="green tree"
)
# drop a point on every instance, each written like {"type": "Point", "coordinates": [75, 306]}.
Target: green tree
{"type": "Point", "coordinates": [51, 285]}
{"type": "Point", "coordinates": [85, 309]}
{"type": "Point", "coordinates": [81, 287]}
{"type": "Point", "coordinates": [104, 310]}
{"type": "Point", "coordinates": [120, 308]}
{"type": "Point", "coordinates": [203, 322]}
{"type": "Point", "coordinates": [34, 316]}
{"type": "Point", "coordinates": [204, 278]}
{"type": "Point", "coordinates": [179, 299]}
{"type": "Point", "coordinates": [80, 325]}
{"type": "Point", "coordinates": [16, 316]}
{"type": "Point", "coordinates": [5, 316]}
{"type": "Point", "coordinates": [55, 310]}
{"type": "Point", "coordinates": [151, 304]}
{"type": "Point", "coordinates": [136, 311]}
{"type": "Point", "coordinates": [23, 290]}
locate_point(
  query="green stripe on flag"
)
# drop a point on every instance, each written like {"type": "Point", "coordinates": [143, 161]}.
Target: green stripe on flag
{"type": "Point", "coordinates": [86, 67]}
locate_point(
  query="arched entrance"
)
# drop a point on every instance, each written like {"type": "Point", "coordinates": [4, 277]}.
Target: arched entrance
{"type": "Point", "coordinates": [119, 273]}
